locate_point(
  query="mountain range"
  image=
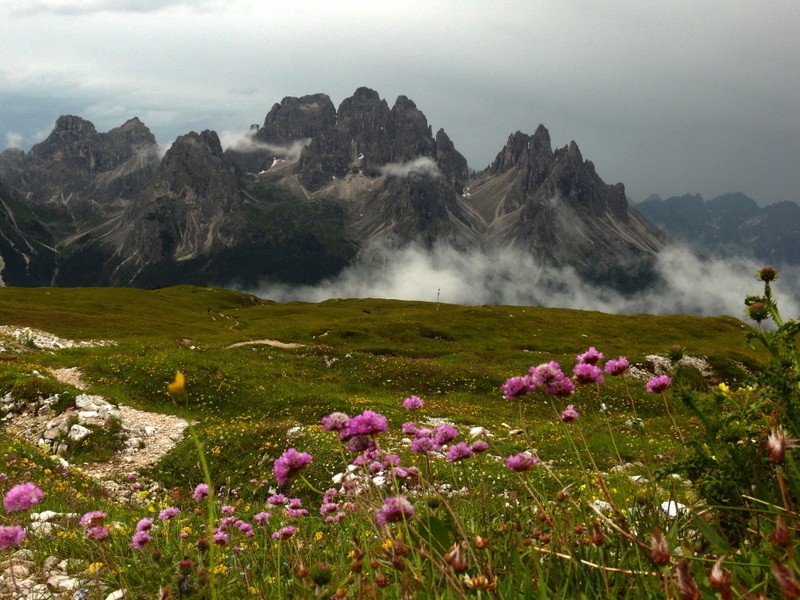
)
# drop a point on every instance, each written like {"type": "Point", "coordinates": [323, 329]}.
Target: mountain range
{"type": "Point", "coordinates": [299, 198]}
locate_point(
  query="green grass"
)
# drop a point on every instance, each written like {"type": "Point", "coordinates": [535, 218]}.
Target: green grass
{"type": "Point", "coordinates": [371, 354]}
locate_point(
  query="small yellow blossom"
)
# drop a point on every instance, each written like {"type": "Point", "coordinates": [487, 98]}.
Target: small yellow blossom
{"type": "Point", "coordinates": [318, 536]}
{"type": "Point", "coordinates": [723, 387]}
{"type": "Point", "coordinates": [177, 387]}
{"type": "Point", "coordinates": [220, 570]}
{"type": "Point", "coordinates": [186, 530]}
{"type": "Point", "coordinates": [387, 545]}
{"type": "Point", "coordinates": [93, 568]}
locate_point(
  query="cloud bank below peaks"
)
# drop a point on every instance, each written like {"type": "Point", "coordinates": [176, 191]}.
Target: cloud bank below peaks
{"type": "Point", "coordinates": [690, 284]}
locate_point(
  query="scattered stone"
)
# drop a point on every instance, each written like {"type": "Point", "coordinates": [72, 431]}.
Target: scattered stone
{"type": "Point", "coordinates": [78, 433]}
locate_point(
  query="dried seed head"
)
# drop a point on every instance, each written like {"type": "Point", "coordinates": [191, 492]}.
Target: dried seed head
{"type": "Point", "coordinates": [659, 551]}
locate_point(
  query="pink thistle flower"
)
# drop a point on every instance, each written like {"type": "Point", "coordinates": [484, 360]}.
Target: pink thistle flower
{"type": "Point", "coordinates": [617, 366]}
{"type": "Point", "coordinates": [570, 414]}
{"type": "Point", "coordinates": [277, 500]}
{"type": "Point", "coordinates": [22, 497]}
{"type": "Point", "coordinates": [140, 539]}
{"type": "Point", "coordinates": [335, 421]}
{"type": "Point", "coordinates": [99, 533]}
{"type": "Point", "coordinates": [289, 464]}
{"type": "Point", "coordinates": [144, 524]}
{"type": "Point", "coordinates": [515, 387]}
{"type": "Point", "coordinates": [168, 513]}
{"type": "Point", "coordinates": [220, 537]}
{"type": "Point", "coordinates": [93, 518]}
{"type": "Point", "coordinates": [658, 384]}
{"type": "Point", "coordinates": [590, 357]}
{"type": "Point", "coordinates": [587, 373]}
{"type": "Point", "coordinates": [444, 434]}
{"type": "Point", "coordinates": [261, 518]}
{"type": "Point", "coordinates": [479, 446]}
{"type": "Point", "coordinates": [410, 428]}
{"type": "Point", "coordinates": [546, 373]}
{"type": "Point", "coordinates": [395, 509]}
{"type": "Point", "coordinates": [367, 423]}
{"type": "Point", "coordinates": [200, 491]}
{"type": "Point", "coordinates": [284, 533]}
{"type": "Point", "coordinates": [413, 403]}
{"type": "Point", "coordinates": [458, 451]}
{"type": "Point", "coordinates": [560, 387]}
{"type": "Point", "coordinates": [11, 536]}
{"type": "Point", "coordinates": [227, 510]}
{"type": "Point", "coordinates": [524, 461]}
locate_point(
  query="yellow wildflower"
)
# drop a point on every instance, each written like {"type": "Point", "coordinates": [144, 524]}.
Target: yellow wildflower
{"type": "Point", "coordinates": [723, 387]}
{"type": "Point", "coordinates": [318, 536]}
{"type": "Point", "coordinates": [93, 568]}
{"type": "Point", "coordinates": [177, 387]}
{"type": "Point", "coordinates": [220, 570]}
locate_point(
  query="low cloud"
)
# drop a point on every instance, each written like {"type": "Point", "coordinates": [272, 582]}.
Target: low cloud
{"type": "Point", "coordinates": [89, 7]}
{"type": "Point", "coordinates": [421, 165]}
{"type": "Point", "coordinates": [247, 143]}
{"type": "Point", "coordinates": [691, 285]}
{"type": "Point", "coordinates": [13, 140]}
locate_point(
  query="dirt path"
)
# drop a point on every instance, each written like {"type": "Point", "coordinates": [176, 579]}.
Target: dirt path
{"type": "Point", "coordinates": [274, 343]}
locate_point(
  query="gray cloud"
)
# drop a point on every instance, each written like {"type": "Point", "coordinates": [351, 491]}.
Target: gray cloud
{"type": "Point", "coordinates": [89, 7]}
{"type": "Point", "coordinates": [692, 285]}
{"type": "Point", "coordinates": [422, 165]}
{"type": "Point", "coordinates": [245, 142]}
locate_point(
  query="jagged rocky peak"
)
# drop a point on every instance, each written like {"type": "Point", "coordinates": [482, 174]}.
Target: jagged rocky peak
{"type": "Point", "coordinates": [195, 146]}
{"type": "Point", "coordinates": [297, 118]}
{"type": "Point", "coordinates": [133, 132]}
{"type": "Point", "coordinates": [522, 149]}
{"type": "Point", "coordinates": [412, 136]}
{"type": "Point", "coordinates": [451, 162]}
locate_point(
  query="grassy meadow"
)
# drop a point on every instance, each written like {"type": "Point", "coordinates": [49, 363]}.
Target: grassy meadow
{"type": "Point", "coordinates": [583, 522]}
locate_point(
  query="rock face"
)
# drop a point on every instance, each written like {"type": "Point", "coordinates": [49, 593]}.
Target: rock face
{"type": "Point", "coordinates": [730, 225]}
{"type": "Point", "coordinates": [554, 205]}
{"type": "Point", "coordinates": [300, 198]}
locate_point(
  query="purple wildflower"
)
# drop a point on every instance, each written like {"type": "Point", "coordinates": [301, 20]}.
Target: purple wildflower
{"type": "Point", "coordinates": [277, 500]}
{"type": "Point", "coordinates": [168, 513]}
{"type": "Point", "coordinates": [335, 421]}
{"type": "Point", "coordinates": [98, 533]}
{"type": "Point", "coordinates": [514, 387]}
{"type": "Point", "coordinates": [413, 403]}
{"type": "Point", "coordinates": [245, 528]}
{"type": "Point", "coordinates": [11, 536]}
{"type": "Point", "coordinates": [335, 518]}
{"type": "Point", "coordinates": [289, 464]}
{"type": "Point", "coordinates": [220, 537]}
{"type": "Point", "coordinates": [410, 428]}
{"type": "Point", "coordinates": [284, 533]}
{"type": "Point", "coordinates": [570, 414]}
{"type": "Point", "coordinates": [140, 539]}
{"type": "Point", "coordinates": [617, 367]}
{"type": "Point", "coordinates": [524, 461]}
{"type": "Point", "coordinates": [227, 510]}
{"type": "Point", "coordinates": [560, 387]}
{"type": "Point", "coordinates": [360, 443]}
{"type": "Point", "coordinates": [546, 373]}
{"type": "Point", "coordinates": [93, 518]}
{"type": "Point", "coordinates": [658, 384]}
{"type": "Point", "coordinates": [587, 373]}
{"type": "Point", "coordinates": [396, 508]}
{"type": "Point", "coordinates": [22, 497]}
{"type": "Point", "coordinates": [423, 444]}
{"type": "Point", "coordinates": [144, 524]}
{"type": "Point", "coordinates": [367, 423]}
{"type": "Point", "coordinates": [479, 446]}
{"type": "Point", "coordinates": [261, 518]}
{"type": "Point", "coordinates": [200, 491]}
{"type": "Point", "coordinates": [444, 434]}
{"type": "Point", "coordinates": [458, 451]}
{"type": "Point", "coordinates": [590, 357]}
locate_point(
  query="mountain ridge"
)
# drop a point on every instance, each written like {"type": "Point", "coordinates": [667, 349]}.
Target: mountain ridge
{"type": "Point", "coordinates": [315, 181]}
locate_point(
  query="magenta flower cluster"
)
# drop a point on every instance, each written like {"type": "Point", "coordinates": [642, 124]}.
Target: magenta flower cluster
{"type": "Point", "coordinates": [289, 464]}
{"type": "Point", "coordinates": [658, 384]}
{"type": "Point", "coordinates": [413, 403]}
{"type": "Point", "coordinates": [551, 378]}
{"type": "Point", "coordinates": [394, 510]}
{"type": "Point", "coordinates": [22, 497]}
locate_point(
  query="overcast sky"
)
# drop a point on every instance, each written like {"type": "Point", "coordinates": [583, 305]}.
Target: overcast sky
{"type": "Point", "coordinates": [667, 97]}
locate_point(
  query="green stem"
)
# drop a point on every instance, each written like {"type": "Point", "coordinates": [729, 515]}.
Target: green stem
{"type": "Point", "coordinates": [210, 514]}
